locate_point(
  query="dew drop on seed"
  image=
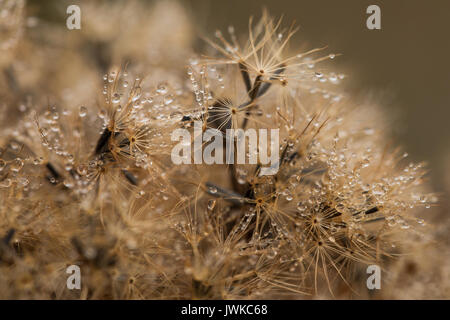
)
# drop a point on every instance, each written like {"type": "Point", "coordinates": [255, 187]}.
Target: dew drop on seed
{"type": "Point", "coordinates": [82, 112]}
{"type": "Point", "coordinates": [137, 94]}
{"type": "Point", "coordinates": [161, 89]}
{"type": "Point", "coordinates": [68, 184]}
{"type": "Point", "coordinates": [82, 169]}
{"type": "Point", "coordinates": [17, 165]}
{"type": "Point", "coordinates": [241, 180]}
{"type": "Point", "coordinates": [168, 99]}
{"type": "Point", "coordinates": [301, 207]}
{"type": "Point", "coordinates": [15, 146]}
{"type": "Point", "coordinates": [211, 204]}
{"type": "Point", "coordinates": [102, 114]}
{"type": "Point", "coordinates": [115, 98]}
{"type": "Point", "coordinates": [213, 190]}
{"type": "Point", "coordinates": [5, 183]}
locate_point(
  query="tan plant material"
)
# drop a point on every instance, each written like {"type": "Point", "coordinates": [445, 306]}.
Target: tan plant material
{"type": "Point", "coordinates": [87, 178]}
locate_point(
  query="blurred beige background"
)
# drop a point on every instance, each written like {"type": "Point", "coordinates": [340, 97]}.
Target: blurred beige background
{"type": "Point", "coordinates": [405, 66]}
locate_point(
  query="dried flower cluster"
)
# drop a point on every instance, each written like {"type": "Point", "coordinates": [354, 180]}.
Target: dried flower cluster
{"type": "Point", "coordinates": [86, 176]}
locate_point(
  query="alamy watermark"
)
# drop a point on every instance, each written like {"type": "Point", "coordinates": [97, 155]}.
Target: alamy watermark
{"type": "Point", "coordinates": [374, 280]}
{"type": "Point", "coordinates": [74, 20]}
{"type": "Point", "coordinates": [74, 280]}
{"type": "Point", "coordinates": [209, 145]}
{"type": "Point", "coordinates": [374, 20]}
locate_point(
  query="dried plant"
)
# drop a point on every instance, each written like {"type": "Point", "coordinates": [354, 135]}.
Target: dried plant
{"type": "Point", "coordinates": [87, 179]}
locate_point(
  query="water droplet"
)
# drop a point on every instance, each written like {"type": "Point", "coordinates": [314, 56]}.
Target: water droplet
{"type": "Point", "coordinates": [102, 114]}
{"type": "Point", "coordinates": [68, 184]}
{"type": "Point", "coordinates": [161, 89]}
{"type": "Point", "coordinates": [82, 112]}
{"type": "Point", "coordinates": [213, 190]}
{"type": "Point", "coordinates": [137, 94]}
{"type": "Point", "coordinates": [15, 145]}
{"type": "Point", "coordinates": [211, 204]}
{"type": "Point", "coordinates": [82, 169]}
{"type": "Point", "coordinates": [168, 99]}
{"type": "Point", "coordinates": [17, 165]}
{"type": "Point", "coordinates": [115, 98]}
{"type": "Point", "coordinates": [301, 207]}
{"type": "Point", "coordinates": [5, 183]}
